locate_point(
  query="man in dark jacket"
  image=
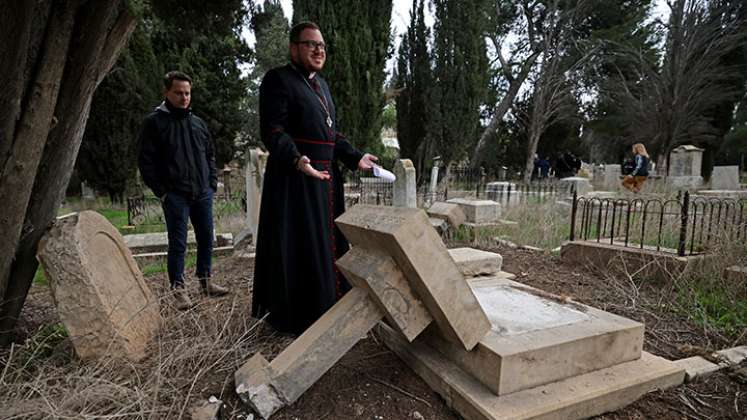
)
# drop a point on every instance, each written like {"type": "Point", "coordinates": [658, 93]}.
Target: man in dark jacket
{"type": "Point", "coordinates": [177, 162]}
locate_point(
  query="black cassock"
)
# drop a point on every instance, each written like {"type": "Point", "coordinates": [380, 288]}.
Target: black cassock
{"type": "Point", "coordinates": [295, 278]}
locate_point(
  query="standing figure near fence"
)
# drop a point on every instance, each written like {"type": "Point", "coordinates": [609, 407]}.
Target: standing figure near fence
{"type": "Point", "coordinates": [295, 277]}
{"type": "Point", "coordinates": [544, 167]}
{"type": "Point", "coordinates": [177, 161]}
{"type": "Point", "coordinates": [634, 181]}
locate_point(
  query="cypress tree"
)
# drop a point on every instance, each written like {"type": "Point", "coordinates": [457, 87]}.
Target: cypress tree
{"type": "Point", "coordinates": [414, 82]}
{"type": "Point", "coordinates": [271, 50]}
{"type": "Point", "coordinates": [357, 34]}
{"type": "Point", "coordinates": [461, 73]}
{"type": "Point", "coordinates": [107, 158]}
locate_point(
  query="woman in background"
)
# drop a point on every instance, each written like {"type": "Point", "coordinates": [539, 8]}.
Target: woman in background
{"type": "Point", "coordinates": [634, 181]}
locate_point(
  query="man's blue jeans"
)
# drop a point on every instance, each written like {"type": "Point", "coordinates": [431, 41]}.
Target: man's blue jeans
{"type": "Point", "coordinates": [178, 208]}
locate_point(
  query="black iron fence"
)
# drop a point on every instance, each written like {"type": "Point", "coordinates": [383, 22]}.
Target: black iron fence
{"type": "Point", "coordinates": [685, 225]}
{"type": "Point", "coordinates": [369, 191]}
{"type": "Point", "coordinates": [464, 178]}
{"type": "Point", "coordinates": [508, 193]}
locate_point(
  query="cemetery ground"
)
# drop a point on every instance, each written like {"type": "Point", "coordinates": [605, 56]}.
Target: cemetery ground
{"type": "Point", "coordinates": [198, 351]}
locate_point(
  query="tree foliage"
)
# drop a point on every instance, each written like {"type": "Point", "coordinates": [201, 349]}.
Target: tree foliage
{"type": "Point", "coordinates": [461, 75]}
{"type": "Point", "coordinates": [270, 50]}
{"type": "Point", "coordinates": [357, 34]}
{"type": "Point", "coordinates": [201, 39]}
{"type": "Point", "coordinates": [414, 84]}
{"type": "Point", "coordinates": [670, 103]}
{"type": "Point", "coordinates": [107, 159]}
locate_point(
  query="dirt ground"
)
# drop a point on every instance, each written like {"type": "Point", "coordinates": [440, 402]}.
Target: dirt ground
{"type": "Point", "coordinates": [370, 382]}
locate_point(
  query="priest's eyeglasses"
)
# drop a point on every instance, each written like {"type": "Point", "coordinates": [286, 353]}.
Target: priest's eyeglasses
{"type": "Point", "coordinates": [314, 45]}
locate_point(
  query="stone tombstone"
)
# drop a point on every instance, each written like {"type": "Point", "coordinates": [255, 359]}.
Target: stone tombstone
{"type": "Point", "coordinates": [434, 178]}
{"type": "Point", "coordinates": [87, 192]}
{"type": "Point", "coordinates": [450, 212]}
{"type": "Point", "coordinates": [685, 160]}
{"type": "Point", "coordinates": [407, 237]}
{"type": "Point", "coordinates": [478, 211]}
{"type": "Point", "coordinates": [725, 178]}
{"type": "Point", "coordinates": [255, 174]}
{"type": "Point", "coordinates": [579, 184]}
{"type": "Point", "coordinates": [97, 287]}
{"type": "Point", "coordinates": [400, 270]}
{"type": "Point", "coordinates": [612, 174]}
{"type": "Point", "coordinates": [405, 188]}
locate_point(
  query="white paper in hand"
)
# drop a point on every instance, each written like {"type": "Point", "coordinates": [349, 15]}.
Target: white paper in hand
{"type": "Point", "coordinates": [382, 173]}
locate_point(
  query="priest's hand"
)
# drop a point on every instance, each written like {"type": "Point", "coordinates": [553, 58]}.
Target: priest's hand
{"type": "Point", "coordinates": [367, 162]}
{"type": "Point", "coordinates": [304, 165]}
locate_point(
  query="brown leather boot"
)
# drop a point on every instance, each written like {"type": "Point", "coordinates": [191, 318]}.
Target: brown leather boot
{"type": "Point", "coordinates": [211, 289]}
{"type": "Point", "coordinates": [182, 301]}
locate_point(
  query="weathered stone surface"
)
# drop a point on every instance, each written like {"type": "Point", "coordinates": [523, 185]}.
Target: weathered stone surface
{"type": "Point", "coordinates": [254, 177]}
{"type": "Point", "coordinates": [696, 367]}
{"type": "Point", "coordinates": [99, 291]}
{"type": "Point", "coordinates": [450, 212]}
{"type": "Point", "coordinates": [645, 263]}
{"type": "Point", "coordinates": [722, 193]}
{"type": "Point", "coordinates": [405, 192]}
{"type": "Point", "coordinates": [537, 338]}
{"type": "Point", "coordinates": [734, 355]}
{"type": "Point", "coordinates": [256, 388]}
{"type": "Point", "coordinates": [159, 241]}
{"type": "Point", "coordinates": [684, 181]}
{"type": "Point", "coordinates": [685, 161]}
{"type": "Point", "coordinates": [406, 236]}
{"type": "Point", "coordinates": [148, 257]}
{"type": "Point", "coordinates": [268, 387]}
{"type": "Point", "coordinates": [474, 262]}
{"type": "Point", "coordinates": [573, 398]}
{"type": "Point", "coordinates": [725, 178]}
{"type": "Point", "coordinates": [440, 225]}
{"type": "Point", "coordinates": [207, 410]}
{"type": "Point", "coordinates": [377, 273]}
{"type": "Point", "coordinates": [478, 211]}
{"type": "Point", "coordinates": [612, 174]}
{"type": "Point", "coordinates": [575, 183]}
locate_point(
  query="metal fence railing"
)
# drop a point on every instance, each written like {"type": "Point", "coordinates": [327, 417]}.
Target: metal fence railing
{"type": "Point", "coordinates": [508, 193]}
{"type": "Point", "coordinates": [684, 225]}
{"type": "Point", "coordinates": [465, 178]}
{"type": "Point", "coordinates": [369, 191]}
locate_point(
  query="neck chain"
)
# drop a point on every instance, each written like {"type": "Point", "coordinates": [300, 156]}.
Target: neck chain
{"type": "Point", "coordinates": [322, 102]}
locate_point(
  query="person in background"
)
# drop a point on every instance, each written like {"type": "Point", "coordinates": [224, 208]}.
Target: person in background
{"type": "Point", "coordinates": [544, 167]}
{"type": "Point", "coordinates": [635, 180]}
{"type": "Point", "coordinates": [177, 161]}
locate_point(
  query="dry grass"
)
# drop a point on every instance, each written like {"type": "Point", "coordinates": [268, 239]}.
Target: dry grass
{"type": "Point", "coordinates": [195, 356]}
{"type": "Point", "coordinates": [539, 224]}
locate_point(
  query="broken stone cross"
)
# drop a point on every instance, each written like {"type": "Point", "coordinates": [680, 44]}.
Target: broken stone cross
{"type": "Point", "coordinates": [401, 271]}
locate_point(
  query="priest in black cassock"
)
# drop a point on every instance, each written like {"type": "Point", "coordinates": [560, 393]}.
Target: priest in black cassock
{"type": "Point", "coordinates": [295, 277]}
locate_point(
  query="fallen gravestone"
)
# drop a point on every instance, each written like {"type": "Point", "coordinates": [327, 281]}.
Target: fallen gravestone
{"type": "Point", "coordinates": [400, 270]}
{"type": "Point", "coordinates": [493, 348]}
{"type": "Point", "coordinates": [97, 287]}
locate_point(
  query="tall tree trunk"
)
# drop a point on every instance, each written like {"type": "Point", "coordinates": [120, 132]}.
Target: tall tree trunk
{"type": "Point", "coordinates": [15, 31]}
{"type": "Point", "coordinates": [534, 138]}
{"type": "Point", "coordinates": [27, 143]}
{"type": "Point", "coordinates": [503, 106]}
{"type": "Point", "coordinates": [101, 33]}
